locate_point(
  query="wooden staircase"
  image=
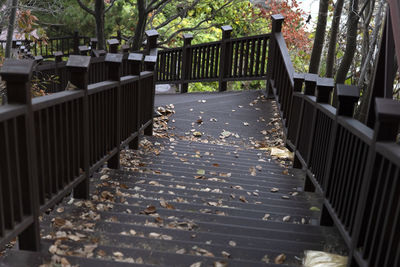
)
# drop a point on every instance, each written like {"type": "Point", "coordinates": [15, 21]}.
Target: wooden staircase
{"type": "Point", "coordinates": [181, 203]}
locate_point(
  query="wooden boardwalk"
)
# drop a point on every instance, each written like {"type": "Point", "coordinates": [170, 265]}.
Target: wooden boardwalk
{"type": "Point", "coordinates": [181, 200]}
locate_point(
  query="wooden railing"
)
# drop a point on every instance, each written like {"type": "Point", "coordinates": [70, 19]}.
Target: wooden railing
{"type": "Point", "coordinates": [68, 45]}
{"type": "Point", "coordinates": [52, 144]}
{"type": "Point", "coordinates": [226, 60]}
{"type": "Point", "coordinates": [355, 167]}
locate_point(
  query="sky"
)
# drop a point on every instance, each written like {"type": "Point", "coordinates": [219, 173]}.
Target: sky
{"type": "Point", "coordinates": [310, 7]}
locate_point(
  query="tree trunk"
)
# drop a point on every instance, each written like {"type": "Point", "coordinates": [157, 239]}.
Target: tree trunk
{"type": "Point", "coordinates": [351, 42]}
{"type": "Point", "coordinates": [99, 17]}
{"type": "Point", "coordinates": [330, 59]}
{"type": "Point", "coordinates": [140, 26]}
{"type": "Point", "coordinates": [10, 30]}
{"type": "Point", "coordinates": [319, 36]}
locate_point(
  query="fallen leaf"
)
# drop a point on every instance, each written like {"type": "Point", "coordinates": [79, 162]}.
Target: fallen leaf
{"type": "Point", "coordinates": [274, 190]}
{"type": "Point", "coordinates": [150, 210]}
{"type": "Point", "coordinates": [196, 264]}
{"type": "Point", "coordinates": [232, 243]}
{"type": "Point", "coordinates": [252, 171]}
{"type": "Point", "coordinates": [220, 264]}
{"type": "Point", "coordinates": [243, 199]}
{"type": "Point", "coordinates": [197, 134]}
{"type": "Point", "coordinates": [280, 259]}
{"type": "Point", "coordinates": [315, 209]}
{"type": "Point", "coordinates": [201, 171]}
{"type": "Point", "coordinates": [166, 205]}
{"type": "Point", "coordinates": [286, 218]}
{"type": "Point", "coordinates": [266, 217]}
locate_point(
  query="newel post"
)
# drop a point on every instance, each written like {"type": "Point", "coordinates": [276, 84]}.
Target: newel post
{"type": "Point", "coordinates": [75, 38]}
{"type": "Point", "coordinates": [387, 119]}
{"type": "Point", "coordinates": [324, 90]}
{"type": "Point", "coordinates": [225, 57]}
{"type": "Point", "coordinates": [348, 96]}
{"type": "Point", "coordinates": [18, 74]}
{"type": "Point", "coordinates": [151, 45]}
{"type": "Point", "coordinates": [113, 46]}
{"type": "Point", "coordinates": [78, 67]}
{"type": "Point", "coordinates": [134, 65]}
{"type": "Point", "coordinates": [277, 21]}
{"type": "Point", "coordinates": [186, 62]}
{"type": "Point", "coordinates": [114, 67]}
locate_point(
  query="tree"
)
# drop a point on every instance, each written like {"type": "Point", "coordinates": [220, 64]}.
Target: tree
{"type": "Point", "coordinates": [11, 23]}
{"type": "Point", "coordinates": [330, 58]}
{"type": "Point", "coordinates": [351, 42]}
{"type": "Point", "coordinates": [319, 36]}
{"type": "Point", "coordinates": [172, 13]}
{"type": "Point", "coordinates": [99, 15]}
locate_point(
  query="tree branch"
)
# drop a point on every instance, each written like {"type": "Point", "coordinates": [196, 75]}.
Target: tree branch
{"type": "Point", "coordinates": [154, 5]}
{"type": "Point", "coordinates": [110, 6]}
{"type": "Point", "coordinates": [88, 10]}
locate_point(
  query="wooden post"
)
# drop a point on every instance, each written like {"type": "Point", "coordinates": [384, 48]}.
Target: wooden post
{"type": "Point", "coordinates": [76, 43]}
{"type": "Point", "coordinates": [324, 89]}
{"type": "Point", "coordinates": [78, 66]}
{"type": "Point", "coordinates": [186, 62]}
{"type": "Point", "coordinates": [83, 50]}
{"type": "Point", "coordinates": [348, 96]}
{"type": "Point", "coordinates": [135, 61]}
{"type": "Point", "coordinates": [18, 74]}
{"type": "Point", "coordinates": [225, 57]}
{"type": "Point", "coordinates": [58, 59]}
{"type": "Point", "coordinates": [277, 21]}
{"type": "Point", "coordinates": [150, 65]}
{"type": "Point", "coordinates": [310, 82]}
{"type": "Point", "coordinates": [298, 79]}
{"type": "Point", "coordinates": [113, 46]}
{"type": "Point", "coordinates": [114, 64]}
{"type": "Point", "coordinates": [93, 43]}
{"type": "Point", "coordinates": [152, 36]}
{"type": "Point", "coordinates": [387, 120]}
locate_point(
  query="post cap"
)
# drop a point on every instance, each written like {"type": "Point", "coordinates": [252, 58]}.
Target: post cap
{"type": "Point", "coordinates": [114, 58]}
{"type": "Point", "coordinates": [348, 91]}
{"type": "Point", "coordinates": [83, 48]}
{"type": "Point", "coordinates": [125, 48]}
{"type": "Point", "coordinates": [93, 40]}
{"type": "Point", "coordinates": [325, 82]}
{"type": "Point", "coordinates": [17, 70]}
{"type": "Point", "coordinates": [150, 59]}
{"type": "Point", "coordinates": [80, 62]}
{"type": "Point", "coordinates": [298, 76]}
{"type": "Point", "coordinates": [135, 57]}
{"type": "Point", "coordinates": [387, 109]}
{"type": "Point", "coordinates": [99, 53]}
{"type": "Point", "coordinates": [310, 80]}
{"type": "Point", "coordinates": [38, 59]}
{"type": "Point", "coordinates": [113, 42]}
{"type": "Point", "coordinates": [227, 28]}
{"type": "Point", "coordinates": [348, 95]}
{"type": "Point", "coordinates": [152, 33]}
{"type": "Point", "coordinates": [387, 112]}
{"type": "Point", "coordinates": [58, 54]}
{"type": "Point", "coordinates": [188, 36]}
{"type": "Point", "coordinates": [277, 17]}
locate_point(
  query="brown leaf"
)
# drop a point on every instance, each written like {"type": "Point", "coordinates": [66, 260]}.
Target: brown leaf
{"type": "Point", "coordinates": [215, 164]}
{"type": "Point", "coordinates": [280, 259]}
{"type": "Point", "coordinates": [149, 210]}
{"type": "Point", "coordinates": [243, 199]}
{"type": "Point", "coordinates": [166, 205]}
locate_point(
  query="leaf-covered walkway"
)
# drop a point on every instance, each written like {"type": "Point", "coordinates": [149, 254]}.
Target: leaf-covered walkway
{"type": "Point", "coordinates": [212, 187]}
